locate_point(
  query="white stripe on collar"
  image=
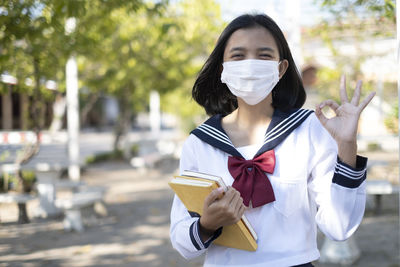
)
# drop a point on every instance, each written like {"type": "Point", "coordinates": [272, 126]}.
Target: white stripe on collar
{"type": "Point", "coordinates": [214, 133]}
{"type": "Point", "coordinates": [283, 126]}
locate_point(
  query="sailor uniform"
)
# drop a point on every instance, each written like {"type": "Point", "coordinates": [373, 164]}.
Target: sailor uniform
{"type": "Point", "coordinates": [310, 186]}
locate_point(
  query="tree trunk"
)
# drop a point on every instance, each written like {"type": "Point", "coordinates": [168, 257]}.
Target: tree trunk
{"type": "Point", "coordinates": [6, 101]}
{"type": "Point", "coordinates": [88, 107]}
{"type": "Point", "coordinates": [22, 213]}
{"type": "Point", "coordinates": [124, 123]}
{"type": "Point", "coordinates": [30, 150]}
{"type": "Point", "coordinates": [24, 112]}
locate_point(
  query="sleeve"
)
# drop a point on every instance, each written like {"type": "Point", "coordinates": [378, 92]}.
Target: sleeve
{"type": "Point", "coordinates": [184, 229]}
{"type": "Point", "coordinates": [337, 189]}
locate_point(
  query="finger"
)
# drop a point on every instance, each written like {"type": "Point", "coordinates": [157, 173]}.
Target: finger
{"type": "Point", "coordinates": [330, 103]}
{"type": "Point", "coordinates": [321, 117]}
{"type": "Point", "coordinates": [242, 210]}
{"type": "Point", "coordinates": [239, 210]}
{"type": "Point", "coordinates": [343, 92]}
{"type": "Point", "coordinates": [238, 202]}
{"type": "Point", "coordinates": [357, 93]}
{"type": "Point", "coordinates": [366, 101]}
{"type": "Point", "coordinates": [214, 195]}
{"type": "Point", "coordinates": [229, 195]}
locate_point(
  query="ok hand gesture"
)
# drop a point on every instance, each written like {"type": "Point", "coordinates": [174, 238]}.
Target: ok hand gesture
{"type": "Point", "coordinates": [343, 126]}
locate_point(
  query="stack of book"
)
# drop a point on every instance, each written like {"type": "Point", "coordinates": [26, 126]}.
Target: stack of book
{"type": "Point", "coordinates": [192, 188]}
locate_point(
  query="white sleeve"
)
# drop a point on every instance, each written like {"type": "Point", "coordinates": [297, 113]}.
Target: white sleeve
{"type": "Point", "coordinates": [184, 230]}
{"type": "Point", "coordinates": [337, 189]}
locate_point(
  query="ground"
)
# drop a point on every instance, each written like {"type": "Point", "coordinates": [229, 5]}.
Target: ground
{"type": "Point", "coordinates": [135, 231]}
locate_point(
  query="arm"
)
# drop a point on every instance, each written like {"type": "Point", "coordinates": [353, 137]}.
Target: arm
{"type": "Point", "coordinates": [184, 229]}
{"type": "Point", "coordinates": [341, 199]}
{"type": "Point", "coordinates": [337, 189]}
{"type": "Point", "coordinates": [192, 236]}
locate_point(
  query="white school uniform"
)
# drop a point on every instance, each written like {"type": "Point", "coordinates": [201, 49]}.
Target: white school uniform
{"type": "Point", "coordinates": [311, 186]}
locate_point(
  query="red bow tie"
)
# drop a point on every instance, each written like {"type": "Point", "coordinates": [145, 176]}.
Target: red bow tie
{"type": "Point", "coordinates": [251, 180]}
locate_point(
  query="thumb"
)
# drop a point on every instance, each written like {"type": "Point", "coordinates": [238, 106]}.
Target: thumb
{"type": "Point", "coordinates": [214, 195]}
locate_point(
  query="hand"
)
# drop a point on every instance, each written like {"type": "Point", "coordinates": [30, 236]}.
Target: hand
{"type": "Point", "coordinates": [343, 127]}
{"type": "Point", "coordinates": [220, 210]}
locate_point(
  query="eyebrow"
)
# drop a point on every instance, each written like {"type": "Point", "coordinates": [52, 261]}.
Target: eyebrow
{"type": "Point", "coordinates": [239, 48]}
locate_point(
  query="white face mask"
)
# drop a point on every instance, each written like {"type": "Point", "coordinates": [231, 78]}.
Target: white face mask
{"type": "Point", "coordinates": [251, 79]}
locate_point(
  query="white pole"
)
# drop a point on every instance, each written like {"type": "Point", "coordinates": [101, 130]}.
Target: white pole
{"type": "Point", "coordinates": [155, 116]}
{"type": "Point", "coordinates": [292, 15]}
{"type": "Point", "coordinates": [398, 70]}
{"type": "Point", "coordinates": [72, 111]}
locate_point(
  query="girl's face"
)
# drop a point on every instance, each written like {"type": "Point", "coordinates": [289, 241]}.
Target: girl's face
{"type": "Point", "coordinates": [251, 43]}
{"type": "Point", "coordinates": [254, 43]}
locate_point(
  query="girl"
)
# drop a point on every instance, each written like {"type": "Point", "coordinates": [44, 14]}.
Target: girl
{"type": "Point", "coordinates": [290, 169]}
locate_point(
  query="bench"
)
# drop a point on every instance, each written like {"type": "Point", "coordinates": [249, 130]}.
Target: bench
{"type": "Point", "coordinates": [146, 161]}
{"type": "Point", "coordinates": [378, 188]}
{"type": "Point", "coordinates": [20, 199]}
{"type": "Point", "coordinates": [73, 205]}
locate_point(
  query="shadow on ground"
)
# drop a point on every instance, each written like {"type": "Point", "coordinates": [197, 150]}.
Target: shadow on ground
{"type": "Point", "coordinates": [135, 232]}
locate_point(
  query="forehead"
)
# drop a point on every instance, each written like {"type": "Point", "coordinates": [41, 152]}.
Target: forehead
{"type": "Point", "coordinates": [251, 38]}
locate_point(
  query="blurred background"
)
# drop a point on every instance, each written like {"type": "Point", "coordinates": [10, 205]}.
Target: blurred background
{"type": "Point", "coordinates": [96, 102]}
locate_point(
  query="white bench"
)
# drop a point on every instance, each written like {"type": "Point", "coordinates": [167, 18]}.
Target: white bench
{"type": "Point", "coordinates": [15, 198]}
{"type": "Point", "coordinates": [378, 188]}
{"type": "Point", "coordinates": [18, 198]}
{"type": "Point", "coordinates": [73, 205]}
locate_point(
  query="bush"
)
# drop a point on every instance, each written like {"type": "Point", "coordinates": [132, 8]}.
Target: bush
{"type": "Point", "coordinates": [373, 146]}
{"type": "Point", "coordinates": [114, 155]}
{"type": "Point", "coordinates": [12, 183]}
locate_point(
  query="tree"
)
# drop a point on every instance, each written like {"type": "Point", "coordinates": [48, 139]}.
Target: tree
{"type": "Point", "coordinates": [356, 22]}
{"type": "Point", "coordinates": [156, 49]}
{"type": "Point", "coordinates": [379, 9]}
{"type": "Point", "coordinates": [34, 47]}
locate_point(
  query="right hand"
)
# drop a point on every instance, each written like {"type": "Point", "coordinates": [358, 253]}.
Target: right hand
{"type": "Point", "coordinates": [220, 210]}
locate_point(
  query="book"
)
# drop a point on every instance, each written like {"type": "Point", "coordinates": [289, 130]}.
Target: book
{"type": "Point", "coordinates": [192, 188]}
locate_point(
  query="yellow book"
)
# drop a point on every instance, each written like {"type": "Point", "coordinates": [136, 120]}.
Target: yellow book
{"type": "Point", "coordinates": [192, 188]}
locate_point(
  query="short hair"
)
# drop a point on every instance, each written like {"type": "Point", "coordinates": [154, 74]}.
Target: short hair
{"type": "Point", "coordinates": [208, 90]}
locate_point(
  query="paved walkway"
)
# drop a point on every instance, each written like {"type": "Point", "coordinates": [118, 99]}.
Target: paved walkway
{"type": "Point", "coordinates": [135, 231]}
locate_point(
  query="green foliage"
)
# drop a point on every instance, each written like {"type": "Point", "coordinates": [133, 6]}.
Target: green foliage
{"type": "Point", "coordinates": [123, 48]}
{"type": "Point", "coordinates": [377, 8]}
{"type": "Point", "coordinates": [12, 182]}
{"type": "Point", "coordinates": [198, 38]}
{"type": "Point", "coordinates": [373, 146]}
{"type": "Point", "coordinates": [354, 22]}
{"type": "Point", "coordinates": [159, 51]}
{"type": "Point", "coordinates": [115, 155]}
{"type": "Point", "coordinates": [392, 120]}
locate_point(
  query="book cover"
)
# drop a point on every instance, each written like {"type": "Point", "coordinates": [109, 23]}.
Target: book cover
{"type": "Point", "coordinates": [192, 188]}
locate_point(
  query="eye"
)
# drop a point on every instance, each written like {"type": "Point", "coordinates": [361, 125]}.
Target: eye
{"type": "Point", "coordinates": [265, 56]}
{"type": "Point", "coordinates": [237, 55]}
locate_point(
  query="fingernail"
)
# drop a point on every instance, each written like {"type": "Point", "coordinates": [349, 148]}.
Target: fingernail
{"type": "Point", "coordinates": [220, 189]}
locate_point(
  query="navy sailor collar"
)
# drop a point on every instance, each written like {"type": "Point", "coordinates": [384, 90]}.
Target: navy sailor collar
{"type": "Point", "coordinates": [281, 125]}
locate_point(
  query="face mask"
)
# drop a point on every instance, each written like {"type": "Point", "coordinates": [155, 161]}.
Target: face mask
{"type": "Point", "coordinates": [251, 79]}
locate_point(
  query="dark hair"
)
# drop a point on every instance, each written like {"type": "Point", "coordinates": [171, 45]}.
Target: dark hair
{"type": "Point", "coordinates": [215, 97]}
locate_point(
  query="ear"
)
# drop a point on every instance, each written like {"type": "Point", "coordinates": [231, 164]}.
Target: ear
{"type": "Point", "coordinates": [283, 66]}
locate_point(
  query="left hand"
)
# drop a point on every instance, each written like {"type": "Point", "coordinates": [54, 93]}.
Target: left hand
{"type": "Point", "coordinates": [343, 127]}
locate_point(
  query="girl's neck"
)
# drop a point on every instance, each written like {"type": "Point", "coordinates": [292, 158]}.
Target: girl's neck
{"type": "Point", "coordinates": [247, 124]}
{"type": "Point", "coordinates": [248, 117]}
